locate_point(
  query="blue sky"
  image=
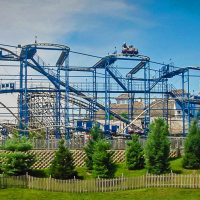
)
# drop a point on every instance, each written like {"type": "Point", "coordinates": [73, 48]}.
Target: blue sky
{"type": "Point", "coordinates": [164, 30]}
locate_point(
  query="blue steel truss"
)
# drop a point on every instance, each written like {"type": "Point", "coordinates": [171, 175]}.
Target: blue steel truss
{"type": "Point", "coordinates": [60, 78]}
{"type": "Point", "coordinates": [28, 57]}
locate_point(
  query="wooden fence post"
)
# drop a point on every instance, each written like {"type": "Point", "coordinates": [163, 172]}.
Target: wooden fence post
{"type": "Point", "coordinates": [3, 182]}
{"type": "Point", "coordinates": [50, 185]}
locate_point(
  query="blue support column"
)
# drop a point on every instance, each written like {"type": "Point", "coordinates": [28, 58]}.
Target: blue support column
{"type": "Point", "coordinates": [67, 90]}
{"type": "Point", "coordinates": [146, 97]}
{"type": "Point", "coordinates": [189, 105]}
{"type": "Point", "coordinates": [95, 92]}
{"type": "Point", "coordinates": [107, 100]}
{"type": "Point", "coordinates": [149, 94]}
{"type": "Point", "coordinates": [92, 117]}
{"type": "Point", "coordinates": [25, 98]}
{"type": "Point", "coordinates": [57, 108]}
{"type": "Point", "coordinates": [23, 105]}
{"type": "Point", "coordinates": [129, 100]}
{"type": "Point", "coordinates": [183, 104]}
{"type": "Point", "coordinates": [165, 99]}
{"type": "Point", "coordinates": [131, 97]}
{"type": "Point", "coordinates": [92, 103]}
{"type": "Point", "coordinates": [131, 83]}
{"type": "Point", "coordinates": [21, 98]}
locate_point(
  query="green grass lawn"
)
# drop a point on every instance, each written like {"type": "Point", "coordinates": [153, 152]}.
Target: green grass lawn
{"type": "Point", "coordinates": [141, 194]}
{"type": "Point", "coordinates": [121, 171]}
{"type": "Point", "coordinates": [176, 167]}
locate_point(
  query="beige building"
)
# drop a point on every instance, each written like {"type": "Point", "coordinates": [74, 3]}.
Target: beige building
{"type": "Point", "coordinates": [158, 107]}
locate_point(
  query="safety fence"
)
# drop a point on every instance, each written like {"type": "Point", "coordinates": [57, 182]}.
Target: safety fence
{"type": "Point", "coordinates": [79, 143]}
{"type": "Point", "coordinates": [102, 185]}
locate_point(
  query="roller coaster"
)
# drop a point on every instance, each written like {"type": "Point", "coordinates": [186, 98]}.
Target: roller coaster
{"type": "Point", "coordinates": [64, 99]}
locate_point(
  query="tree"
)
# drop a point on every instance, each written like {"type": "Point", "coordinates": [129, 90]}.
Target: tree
{"type": "Point", "coordinates": [124, 115]}
{"type": "Point", "coordinates": [103, 166]}
{"type": "Point", "coordinates": [157, 148]}
{"type": "Point", "coordinates": [62, 166]}
{"type": "Point", "coordinates": [134, 154]}
{"type": "Point", "coordinates": [96, 134]}
{"type": "Point", "coordinates": [18, 161]}
{"type": "Point", "coordinates": [191, 159]}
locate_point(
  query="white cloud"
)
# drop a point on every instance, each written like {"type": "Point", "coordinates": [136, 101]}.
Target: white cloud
{"type": "Point", "coordinates": [50, 20]}
{"type": "Point", "coordinates": [53, 20]}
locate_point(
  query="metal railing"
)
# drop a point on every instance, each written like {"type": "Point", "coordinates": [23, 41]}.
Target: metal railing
{"type": "Point", "coordinates": [79, 143]}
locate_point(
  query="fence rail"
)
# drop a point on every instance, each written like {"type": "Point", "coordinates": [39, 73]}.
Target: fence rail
{"type": "Point", "coordinates": [102, 185]}
{"type": "Point", "coordinates": [79, 143]}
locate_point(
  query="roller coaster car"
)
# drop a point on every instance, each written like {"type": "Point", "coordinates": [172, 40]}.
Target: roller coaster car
{"type": "Point", "coordinates": [129, 50]}
{"type": "Point", "coordinates": [138, 132]}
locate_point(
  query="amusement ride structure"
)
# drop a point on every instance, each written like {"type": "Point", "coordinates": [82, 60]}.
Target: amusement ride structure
{"type": "Point", "coordinates": [62, 99]}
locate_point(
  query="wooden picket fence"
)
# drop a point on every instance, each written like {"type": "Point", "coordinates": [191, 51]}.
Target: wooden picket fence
{"type": "Point", "coordinates": [102, 185]}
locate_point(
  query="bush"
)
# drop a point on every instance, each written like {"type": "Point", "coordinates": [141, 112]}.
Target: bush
{"type": "Point", "coordinates": [103, 166]}
{"type": "Point", "coordinates": [191, 159]}
{"type": "Point", "coordinates": [62, 166]}
{"type": "Point", "coordinates": [124, 115]}
{"type": "Point", "coordinates": [157, 148]}
{"type": "Point", "coordinates": [134, 154]}
{"type": "Point", "coordinates": [41, 173]}
{"type": "Point", "coordinates": [18, 161]}
{"type": "Point", "coordinates": [18, 144]}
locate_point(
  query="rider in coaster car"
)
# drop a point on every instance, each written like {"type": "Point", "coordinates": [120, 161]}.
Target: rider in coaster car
{"type": "Point", "coordinates": [124, 45]}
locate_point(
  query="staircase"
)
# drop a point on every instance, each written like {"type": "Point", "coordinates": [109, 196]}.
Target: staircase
{"type": "Point", "coordinates": [137, 68]}
{"type": "Point", "coordinates": [165, 107]}
{"type": "Point", "coordinates": [162, 73]}
{"type": "Point", "coordinates": [37, 60]}
{"type": "Point", "coordinates": [167, 71]}
{"type": "Point", "coordinates": [179, 98]}
{"type": "Point", "coordinates": [117, 76]}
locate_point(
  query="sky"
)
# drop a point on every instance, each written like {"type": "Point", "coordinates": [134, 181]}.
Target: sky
{"type": "Point", "coordinates": [165, 30]}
